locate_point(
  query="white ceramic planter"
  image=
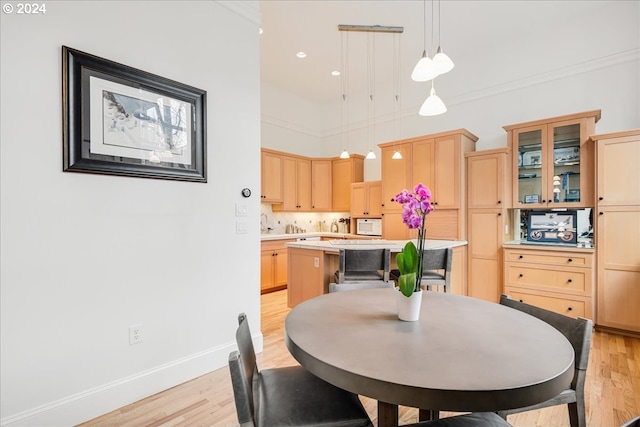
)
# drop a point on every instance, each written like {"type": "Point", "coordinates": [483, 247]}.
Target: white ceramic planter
{"type": "Point", "coordinates": [409, 307]}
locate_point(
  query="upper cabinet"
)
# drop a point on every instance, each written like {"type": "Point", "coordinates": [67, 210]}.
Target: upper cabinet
{"type": "Point", "coordinates": [296, 185]}
{"type": "Point", "coordinates": [488, 179]}
{"type": "Point", "coordinates": [271, 177]}
{"type": "Point", "coordinates": [366, 199]}
{"type": "Point", "coordinates": [552, 161]}
{"type": "Point", "coordinates": [345, 172]}
{"type": "Point", "coordinates": [321, 188]}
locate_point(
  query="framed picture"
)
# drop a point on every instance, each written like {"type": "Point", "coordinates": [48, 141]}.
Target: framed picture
{"type": "Point", "coordinates": [122, 121]}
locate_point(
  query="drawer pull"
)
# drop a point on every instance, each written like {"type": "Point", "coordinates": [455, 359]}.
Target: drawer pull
{"type": "Point", "coordinates": [569, 308]}
{"type": "Point", "coordinates": [520, 275]}
{"type": "Point", "coordinates": [570, 260]}
{"type": "Point", "coordinates": [521, 301]}
{"type": "Point", "coordinates": [521, 256]}
{"type": "Point", "coordinates": [569, 280]}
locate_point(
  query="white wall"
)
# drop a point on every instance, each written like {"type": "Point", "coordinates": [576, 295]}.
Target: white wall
{"type": "Point", "coordinates": [587, 63]}
{"type": "Point", "coordinates": [85, 256]}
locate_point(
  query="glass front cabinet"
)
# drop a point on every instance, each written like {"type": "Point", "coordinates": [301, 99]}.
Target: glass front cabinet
{"type": "Point", "coordinates": [553, 162]}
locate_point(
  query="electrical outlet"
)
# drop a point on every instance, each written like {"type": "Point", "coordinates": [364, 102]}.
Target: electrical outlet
{"type": "Point", "coordinates": [136, 334]}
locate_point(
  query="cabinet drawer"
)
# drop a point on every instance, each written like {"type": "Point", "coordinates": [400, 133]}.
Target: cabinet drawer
{"type": "Point", "coordinates": [567, 306]}
{"type": "Point", "coordinates": [566, 280]}
{"type": "Point", "coordinates": [569, 259]}
{"type": "Point", "coordinates": [272, 245]}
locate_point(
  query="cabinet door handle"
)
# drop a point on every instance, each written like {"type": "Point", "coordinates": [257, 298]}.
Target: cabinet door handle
{"type": "Point", "coordinates": [601, 213]}
{"type": "Point", "coordinates": [520, 275]}
{"type": "Point", "coordinates": [569, 281]}
{"type": "Point", "coordinates": [600, 198]}
{"type": "Point", "coordinates": [499, 214]}
{"type": "Point", "coordinates": [499, 201]}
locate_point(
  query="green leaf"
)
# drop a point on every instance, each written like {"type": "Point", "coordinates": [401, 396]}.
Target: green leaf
{"type": "Point", "coordinates": [408, 259]}
{"type": "Point", "coordinates": [407, 283]}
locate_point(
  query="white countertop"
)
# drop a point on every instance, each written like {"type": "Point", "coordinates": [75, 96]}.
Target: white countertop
{"type": "Point", "coordinates": [394, 245]}
{"type": "Point", "coordinates": [269, 236]}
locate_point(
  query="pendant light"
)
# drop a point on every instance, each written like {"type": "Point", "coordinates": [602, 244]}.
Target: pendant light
{"type": "Point", "coordinates": [433, 105]}
{"type": "Point", "coordinates": [344, 58]}
{"type": "Point", "coordinates": [425, 69]}
{"type": "Point", "coordinates": [441, 62]}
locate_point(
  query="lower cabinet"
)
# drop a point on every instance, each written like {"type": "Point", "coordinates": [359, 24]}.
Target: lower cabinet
{"type": "Point", "coordinates": [559, 280]}
{"type": "Point", "coordinates": [273, 265]}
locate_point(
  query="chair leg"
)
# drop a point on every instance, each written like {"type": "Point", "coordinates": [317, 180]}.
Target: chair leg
{"type": "Point", "coordinates": [577, 416]}
{"type": "Point", "coordinates": [428, 415]}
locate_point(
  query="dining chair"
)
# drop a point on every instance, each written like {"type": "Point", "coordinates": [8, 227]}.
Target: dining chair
{"type": "Point", "coordinates": [352, 286]}
{"type": "Point", "coordinates": [578, 333]}
{"type": "Point", "coordinates": [288, 396]}
{"type": "Point", "coordinates": [363, 265]}
{"type": "Point", "coordinates": [475, 419]}
{"type": "Point", "coordinates": [436, 268]}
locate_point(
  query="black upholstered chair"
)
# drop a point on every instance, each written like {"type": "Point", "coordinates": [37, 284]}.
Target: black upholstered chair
{"type": "Point", "coordinates": [436, 269]}
{"type": "Point", "coordinates": [352, 286]}
{"type": "Point", "coordinates": [289, 396]}
{"type": "Point", "coordinates": [363, 265]}
{"type": "Point", "coordinates": [479, 419]}
{"type": "Point", "coordinates": [578, 332]}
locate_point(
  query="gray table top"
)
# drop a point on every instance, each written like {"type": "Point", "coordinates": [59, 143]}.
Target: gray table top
{"type": "Point", "coordinates": [464, 354]}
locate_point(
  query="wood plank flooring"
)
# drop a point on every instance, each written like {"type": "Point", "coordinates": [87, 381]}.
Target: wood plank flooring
{"type": "Point", "coordinates": [612, 387]}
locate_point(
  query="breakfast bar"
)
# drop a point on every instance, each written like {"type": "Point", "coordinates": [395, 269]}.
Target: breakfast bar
{"type": "Point", "coordinates": [312, 264]}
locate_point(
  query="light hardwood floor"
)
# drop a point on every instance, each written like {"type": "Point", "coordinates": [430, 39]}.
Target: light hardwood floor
{"type": "Point", "coordinates": [612, 387]}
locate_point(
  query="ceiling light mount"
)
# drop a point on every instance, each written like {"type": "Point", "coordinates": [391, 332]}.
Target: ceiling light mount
{"type": "Point", "coordinates": [371, 28]}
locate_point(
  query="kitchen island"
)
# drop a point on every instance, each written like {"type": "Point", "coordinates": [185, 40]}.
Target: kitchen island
{"type": "Point", "coordinates": [312, 264]}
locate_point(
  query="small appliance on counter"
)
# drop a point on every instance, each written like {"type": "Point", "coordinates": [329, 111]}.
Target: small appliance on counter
{"type": "Point", "coordinates": [369, 226]}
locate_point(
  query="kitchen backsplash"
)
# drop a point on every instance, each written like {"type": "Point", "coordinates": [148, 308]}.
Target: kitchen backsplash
{"type": "Point", "coordinates": [276, 222]}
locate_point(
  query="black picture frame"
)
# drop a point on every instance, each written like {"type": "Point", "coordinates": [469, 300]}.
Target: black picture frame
{"type": "Point", "coordinates": [118, 120]}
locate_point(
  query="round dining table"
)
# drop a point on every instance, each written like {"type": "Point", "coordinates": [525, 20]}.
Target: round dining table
{"type": "Point", "coordinates": [462, 355]}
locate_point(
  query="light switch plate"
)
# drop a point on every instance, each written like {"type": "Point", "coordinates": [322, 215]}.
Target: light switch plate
{"type": "Point", "coordinates": [241, 209]}
{"type": "Point", "coordinates": [241, 227]}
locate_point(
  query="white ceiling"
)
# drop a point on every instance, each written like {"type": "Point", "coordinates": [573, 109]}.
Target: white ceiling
{"type": "Point", "coordinates": [467, 27]}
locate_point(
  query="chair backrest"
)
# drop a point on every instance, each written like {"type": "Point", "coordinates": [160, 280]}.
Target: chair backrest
{"type": "Point", "coordinates": [577, 331]}
{"type": "Point", "coordinates": [352, 286]}
{"type": "Point", "coordinates": [243, 368]}
{"type": "Point", "coordinates": [437, 259]}
{"type": "Point", "coordinates": [362, 260]}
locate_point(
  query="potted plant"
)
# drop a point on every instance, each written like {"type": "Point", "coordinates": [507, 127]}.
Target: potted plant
{"type": "Point", "coordinates": [416, 206]}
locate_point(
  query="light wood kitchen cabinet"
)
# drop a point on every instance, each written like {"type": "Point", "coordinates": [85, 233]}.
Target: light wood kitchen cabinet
{"type": "Point", "coordinates": [296, 184]}
{"type": "Point", "coordinates": [617, 230]}
{"type": "Point", "coordinates": [271, 177]}
{"type": "Point", "coordinates": [557, 279]}
{"type": "Point", "coordinates": [321, 185]}
{"type": "Point", "coordinates": [366, 199]}
{"type": "Point", "coordinates": [553, 162]}
{"type": "Point", "coordinates": [488, 221]}
{"type": "Point", "coordinates": [307, 270]}
{"type": "Point", "coordinates": [273, 265]}
{"type": "Point", "coordinates": [436, 160]}
{"type": "Point", "coordinates": [344, 173]}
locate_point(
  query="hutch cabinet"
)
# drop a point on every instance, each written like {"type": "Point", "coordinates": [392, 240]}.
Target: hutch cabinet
{"type": "Point", "coordinates": [552, 162]}
{"type": "Point", "coordinates": [557, 279]}
{"type": "Point", "coordinates": [321, 185]}
{"type": "Point", "coordinates": [488, 196]}
{"type": "Point", "coordinates": [617, 231]}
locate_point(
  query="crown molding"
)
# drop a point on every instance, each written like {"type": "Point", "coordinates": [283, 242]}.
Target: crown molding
{"type": "Point", "coordinates": [249, 10]}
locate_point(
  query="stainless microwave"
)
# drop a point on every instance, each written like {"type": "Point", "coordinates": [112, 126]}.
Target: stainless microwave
{"type": "Point", "coordinates": [369, 226]}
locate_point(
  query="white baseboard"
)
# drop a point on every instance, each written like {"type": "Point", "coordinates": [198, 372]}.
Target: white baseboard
{"type": "Point", "coordinates": [89, 404]}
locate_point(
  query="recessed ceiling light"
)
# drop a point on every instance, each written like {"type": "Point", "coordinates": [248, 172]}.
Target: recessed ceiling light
{"type": "Point", "coordinates": [335, 73]}
{"type": "Point", "coordinates": [301, 54]}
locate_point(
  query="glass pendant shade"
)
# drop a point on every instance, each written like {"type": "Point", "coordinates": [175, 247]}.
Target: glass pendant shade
{"type": "Point", "coordinates": [344, 154]}
{"type": "Point", "coordinates": [370, 155]}
{"type": "Point", "coordinates": [433, 106]}
{"type": "Point", "coordinates": [424, 70]}
{"type": "Point", "coordinates": [441, 62]}
{"type": "Point", "coordinates": [396, 155]}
